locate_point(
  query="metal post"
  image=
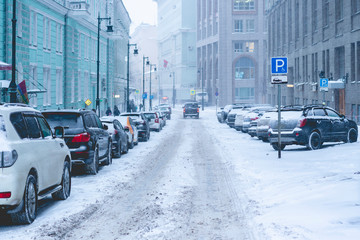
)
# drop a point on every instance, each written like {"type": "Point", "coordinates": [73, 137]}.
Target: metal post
{"type": "Point", "coordinates": [159, 88]}
{"type": "Point", "coordinates": [279, 120]}
{"type": "Point", "coordinates": [97, 69]}
{"type": "Point", "coordinates": [202, 90]}
{"type": "Point", "coordinates": [173, 95]}
{"type": "Point", "coordinates": [12, 86]}
{"type": "Point", "coordinates": [128, 80]}
{"type": "Point", "coordinates": [144, 82]}
{"type": "Point", "coordinates": [150, 108]}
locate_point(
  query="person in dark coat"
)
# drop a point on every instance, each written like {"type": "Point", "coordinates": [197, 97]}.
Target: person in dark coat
{"type": "Point", "coordinates": [108, 112]}
{"type": "Point", "coordinates": [116, 111]}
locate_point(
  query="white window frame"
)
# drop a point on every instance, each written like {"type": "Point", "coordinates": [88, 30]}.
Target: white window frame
{"type": "Point", "coordinates": [79, 86]}
{"type": "Point", "coordinates": [47, 85]}
{"type": "Point", "coordinates": [238, 26]}
{"type": "Point", "coordinates": [250, 25]}
{"type": "Point", "coordinates": [33, 84]}
{"type": "Point", "coordinates": [59, 86]}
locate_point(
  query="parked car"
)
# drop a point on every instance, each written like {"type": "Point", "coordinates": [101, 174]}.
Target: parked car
{"type": "Point", "coordinates": [162, 118]}
{"type": "Point", "coordinates": [130, 129]}
{"type": "Point", "coordinates": [230, 120]}
{"type": "Point", "coordinates": [239, 118]}
{"type": "Point", "coordinates": [87, 138]}
{"type": "Point", "coordinates": [263, 125]}
{"type": "Point", "coordinates": [166, 111]}
{"type": "Point", "coordinates": [312, 126]}
{"type": "Point", "coordinates": [254, 114]}
{"type": "Point", "coordinates": [118, 135]}
{"type": "Point", "coordinates": [141, 124]}
{"type": "Point", "coordinates": [34, 162]}
{"type": "Point", "coordinates": [191, 109]}
{"type": "Point", "coordinates": [153, 120]}
{"type": "Point", "coordinates": [166, 106]}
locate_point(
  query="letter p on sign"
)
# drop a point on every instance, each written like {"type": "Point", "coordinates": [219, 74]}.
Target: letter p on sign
{"type": "Point", "coordinates": [279, 65]}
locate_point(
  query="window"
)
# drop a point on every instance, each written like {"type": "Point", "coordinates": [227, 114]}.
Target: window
{"type": "Point", "coordinates": [86, 85]}
{"type": "Point", "coordinates": [318, 112]}
{"type": "Point", "coordinates": [325, 13]}
{"type": "Point", "coordinates": [89, 121]}
{"type": "Point", "coordinates": [339, 10]}
{"type": "Point", "coordinates": [32, 126]}
{"type": "Point", "coordinates": [244, 5]}
{"type": "Point", "coordinates": [244, 69]}
{"type": "Point", "coordinates": [33, 29]}
{"type": "Point", "coordinates": [238, 47]}
{"type": "Point", "coordinates": [355, 6]}
{"type": "Point", "coordinates": [250, 25]}
{"type": "Point", "coordinates": [244, 93]}
{"type": "Point", "coordinates": [47, 85]}
{"type": "Point", "coordinates": [45, 129]}
{"type": "Point", "coordinates": [18, 122]}
{"type": "Point", "coordinates": [59, 87]}
{"type": "Point", "coordinates": [250, 46]}
{"type": "Point", "coordinates": [238, 26]}
{"type": "Point", "coordinates": [19, 18]}
{"type": "Point", "coordinates": [314, 15]}
{"type": "Point", "coordinates": [305, 17]}
{"type": "Point", "coordinates": [33, 84]}
{"type": "Point", "coordinates": [332, 114]}
{"type": "Point", "coordinates": [72, 86]}
{"type": "Point", "coordinates": [79, 86]}
{"type": "Point", "coordinates": [297, 19]}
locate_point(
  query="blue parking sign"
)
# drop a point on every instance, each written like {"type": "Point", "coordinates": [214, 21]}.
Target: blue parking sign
{"type": "Point", "coordinates": [324, 82]}
{"type": "Point", "coordinates": [279, 65]}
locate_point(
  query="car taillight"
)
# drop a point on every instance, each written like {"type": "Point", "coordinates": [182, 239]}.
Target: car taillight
{"type": "Point", "coordinates": [8, 158]}
{"type": "Point", "coordinates": [156, 120]}
{"type": "Point", "coordinates": [115, 132]}
{"type": "Point", "coordinates": [253, 119]}
{"type": "Point", "coordinates": [302, 122]}
{"type": "Point", "coordinates": [197, 110]}
{"type": "Point", "coordinates": [5, 194]}
{"type": "Point", "coordinates": [184, 109]}
{"type": "Point", "coordinates": [82, 137]}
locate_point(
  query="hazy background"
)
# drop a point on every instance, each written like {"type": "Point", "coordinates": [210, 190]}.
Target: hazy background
{"type": "Point", "coordinates": [141, 11]}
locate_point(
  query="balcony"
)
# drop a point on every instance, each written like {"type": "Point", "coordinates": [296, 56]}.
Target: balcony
{"type": "Point", "coordinates": [79, 8]}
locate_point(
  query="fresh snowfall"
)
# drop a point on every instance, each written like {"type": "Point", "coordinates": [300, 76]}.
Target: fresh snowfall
{"type": "Point", "coordinates": [200, 179]}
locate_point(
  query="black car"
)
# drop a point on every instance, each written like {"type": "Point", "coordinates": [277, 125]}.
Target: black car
{"type": "Point", "coordinates": [87, 138]}
{"type": "Point", "coordinates": [191, 109]}
{"type": "Point", "coordinates": [118, 135]}
{"type": "Point", "coordinates": [312, 126]}
{"type": "Point", "coordinates": [141, 124]}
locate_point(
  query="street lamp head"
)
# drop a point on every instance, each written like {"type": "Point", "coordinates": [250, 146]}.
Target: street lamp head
{"type": "Point", "coordinates": [109, 28]}
{"type": "Point", "coordinates": [136, 51]}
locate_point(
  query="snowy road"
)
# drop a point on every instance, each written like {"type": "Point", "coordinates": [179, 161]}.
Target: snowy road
{"type": "Point", "coordinates": [199, 179]}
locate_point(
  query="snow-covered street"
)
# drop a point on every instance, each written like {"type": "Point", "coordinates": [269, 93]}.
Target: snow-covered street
{"type": "Point", "coordinates": [199, 179]}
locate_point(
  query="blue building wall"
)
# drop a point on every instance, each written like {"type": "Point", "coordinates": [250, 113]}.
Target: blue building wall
{"type": "Point", "coordinates": [56, 50]}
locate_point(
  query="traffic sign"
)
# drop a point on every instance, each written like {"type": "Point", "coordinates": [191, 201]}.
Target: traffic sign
{"type": "Point", "coordinates": [324, 84]}
{"type": "Point", "coordinates": [216, 94]}
{"type": "Point", "coordinates": [278, 79]}
{"type": "Point", "coordinates": [88, 102]}
{"type": "Point", "coordinates": [151, 96]}
{"type": "Point", "coordinates": [192, 92]}
{"type": "Point", "coordinates": [137, 91]}
{"type": "Point", "coordinates": [279, 65]}
{"type": "Point", "coordinates": [144, 96]}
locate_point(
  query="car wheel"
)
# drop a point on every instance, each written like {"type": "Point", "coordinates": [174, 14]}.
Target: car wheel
{"type": "Point", "coordinates": [94, 165]}
{"type": "Point", "coordinates": [352, 136]}
{"type": "Point", "coordinates": [131, 145]}
{"type": "Point", "coordinates": [30, 203]}
{"type": "Point", "coordinates": [126, 150]}
{"type": "Point", "coordinates": [265, 139]}
{"type": "Point", "coordinates": [64, 193]}
{"type": "Point", "coordinates": [108, 160]}
{"type": "Point", "coordinates": [276, 146]}
{"type": "Point", "coordinates": [314, 141]}
{"type": "Point", "coordinates": [118, 150]}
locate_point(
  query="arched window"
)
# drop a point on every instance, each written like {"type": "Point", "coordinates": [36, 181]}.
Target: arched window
{"type": "Point", "coordinates": [244, 69]}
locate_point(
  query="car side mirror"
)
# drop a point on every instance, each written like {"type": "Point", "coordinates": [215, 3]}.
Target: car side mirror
{"type": "Point", "coordinates": [105, 127]}
{"type": "Point", "coordinates": [342, 116]}
{"type": "Point", "coordinates": [59, 132]}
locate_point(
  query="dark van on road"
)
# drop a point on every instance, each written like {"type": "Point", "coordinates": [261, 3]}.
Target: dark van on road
{"type": "Point", "coordinates": [191, 109]}
{"type": "Point", "coordinates": [87, 138]}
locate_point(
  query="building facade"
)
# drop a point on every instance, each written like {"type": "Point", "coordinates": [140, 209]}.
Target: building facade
{"type": "Point", "coordinates": [320, 38]}
{"type": "Point", "coordinates": [56, 51]}
{"type": "Point", "coordinates": [145, 37]}
{"type": "Point", "coordinates": [231, 50]}
{"type": "Point", "coordinates": [177, 48]}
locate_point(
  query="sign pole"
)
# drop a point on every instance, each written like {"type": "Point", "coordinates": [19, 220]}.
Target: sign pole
{"type": "Point", "coordinates": [279, 120]}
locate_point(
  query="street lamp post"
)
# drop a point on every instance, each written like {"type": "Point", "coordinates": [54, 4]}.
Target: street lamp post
{"type": "Point", "coordinates": [202, 90]}
{"type": "Point", "coordinates": [109, 29]}
{"type": "Point", "coordinates": [128, 75]}
{"type": "Point", "coordinates": [150, 99]}
{"type": "Point", "coordinates": [174, 93]}
{"type": "Point", "coordinates": [12, 86]}
{"type": "Point", "coordinates": [147, 63]}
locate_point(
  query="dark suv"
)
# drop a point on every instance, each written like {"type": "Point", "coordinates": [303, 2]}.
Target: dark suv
{"type": "Point", "coordinates": [85, 135]}
{"type": "Point", "coordinates": [191, 109]}
{"type": "Point", "coordinates": [141, 124]}
{"type": "Point", "coordinates": [311, 126]}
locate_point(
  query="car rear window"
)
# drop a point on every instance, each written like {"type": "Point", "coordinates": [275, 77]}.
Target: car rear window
{"type": "Point", "coordinates": [18, 122]}
{"type": "Point", "coordinates": [191, 105]}
{"type": "Point", "coordinates": [66, 120]}
{"type": "Point", "coordinates": [150, 115]}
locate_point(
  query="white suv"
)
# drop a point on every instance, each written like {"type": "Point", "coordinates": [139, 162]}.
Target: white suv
{"type": "Point", "coordinates": [33, 163]}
